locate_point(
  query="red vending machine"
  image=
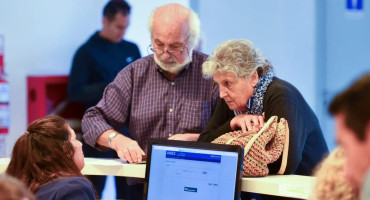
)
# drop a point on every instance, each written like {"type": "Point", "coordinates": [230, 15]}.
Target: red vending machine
{"type": "Point", "coordinates": [47, 95]}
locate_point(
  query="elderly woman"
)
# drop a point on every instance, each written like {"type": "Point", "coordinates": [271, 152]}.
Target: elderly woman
{"type": "Point", "coordinates": [48, 159]}
{"type": "Point", "coordinates": [248, 88]}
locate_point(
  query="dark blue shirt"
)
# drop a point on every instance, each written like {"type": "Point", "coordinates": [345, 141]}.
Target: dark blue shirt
{"type": "Point", "coordinates": [74, 188]}
{"type": "Point", "coordinates": [95, 64]}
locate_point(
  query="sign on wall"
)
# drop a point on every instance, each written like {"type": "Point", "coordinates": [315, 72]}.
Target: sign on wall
{"type": "Point", "coordinates": [354, 9]}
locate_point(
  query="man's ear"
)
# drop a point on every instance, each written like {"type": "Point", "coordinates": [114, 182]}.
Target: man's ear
{"type": "Point", "coordinates": [105, 21]}
{"type": "Point", "coordinates": [254, 78]}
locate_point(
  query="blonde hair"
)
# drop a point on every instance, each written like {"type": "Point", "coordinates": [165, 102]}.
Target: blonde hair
{"type": "Point", "coordinates": [237, 56]}
{"type": "Point", "coordinates": [13, 189]}
{"type": "Point", "coordinates": [330, 181]}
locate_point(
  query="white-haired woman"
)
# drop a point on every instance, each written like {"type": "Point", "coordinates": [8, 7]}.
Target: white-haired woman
{"type": "Point", "coordinates": [248, 88]}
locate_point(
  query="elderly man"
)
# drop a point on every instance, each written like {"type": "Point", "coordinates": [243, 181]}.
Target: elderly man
{"type": "Point", "coordinates": [351, 112]}
{"type": "Point", "coordinates": [163, 95]}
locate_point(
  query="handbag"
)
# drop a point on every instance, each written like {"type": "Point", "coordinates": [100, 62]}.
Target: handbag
{"type": "Point", "coordinates": [261, 148]}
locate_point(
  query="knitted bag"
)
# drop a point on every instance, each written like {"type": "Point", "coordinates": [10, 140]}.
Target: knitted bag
{"type": "Point", "coordinates": [262, 148]}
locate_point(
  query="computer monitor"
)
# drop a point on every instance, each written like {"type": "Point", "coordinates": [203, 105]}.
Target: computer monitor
{"type": "Point", "coordinates": [179, 170]}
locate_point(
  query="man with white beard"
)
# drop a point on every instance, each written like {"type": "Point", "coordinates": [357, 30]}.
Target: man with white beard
{"type": "Point", "coordinates": [163, 95]}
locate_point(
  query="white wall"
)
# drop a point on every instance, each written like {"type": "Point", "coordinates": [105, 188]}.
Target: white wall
{"type": "Point", "coordinates": [284, 31]}
{"type": "Point", "coordinates": [41, 37]}
{"type": "Point", "coordinates": [300, 38]}
{"type": "Point", "coordinates": [318, 46]}
{"type": "Point", "coordinates": [347, 53]}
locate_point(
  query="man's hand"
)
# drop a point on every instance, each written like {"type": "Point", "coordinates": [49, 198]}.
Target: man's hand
{"type": "Point", "coordinates": [247, 122]}
{"type": "Point", "coordinates": [127, 149]}
{"type": "Point", "coordinates": [185, 136]}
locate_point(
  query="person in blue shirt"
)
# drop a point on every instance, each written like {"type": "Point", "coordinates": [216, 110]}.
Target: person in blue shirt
{"type": "Point", "coordinates": [48, 159]}
{"type": "Point", "coordinates": [95, 64]}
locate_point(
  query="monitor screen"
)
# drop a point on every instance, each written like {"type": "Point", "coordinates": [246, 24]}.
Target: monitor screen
{"type": "Point", "coordinates": [192, 170]}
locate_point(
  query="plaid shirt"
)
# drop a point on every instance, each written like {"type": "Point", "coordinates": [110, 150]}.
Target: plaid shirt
{"type": "Point", "coordinates": [151, 104]}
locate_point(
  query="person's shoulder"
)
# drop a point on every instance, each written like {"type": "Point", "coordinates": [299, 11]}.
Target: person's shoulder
{"type": "Point", "coordinates": [91, 40]}
{"type": "Point", "coordinates": [281, 90]}
{"type": "Point", "coordinates": [70, 182]}
{"type": "Point", "coordinates": [65, 187]}
{"type": "Point", "coordinates": [199, 55]}
{"type": "Point", "coordinates": [142, 62]}
{"type": "Point", "coordinates": [281, 87]}
{"type": "Point", "coordinates": [75, 180]}
{"type": "Point", "coordinates": [129, 43]}
{"type": "Point", "coordinates": [140, 65]}
{"type": "Point", "coordinates": [130, 48]}
{"type": "Point", "coordinates": [88, 44]}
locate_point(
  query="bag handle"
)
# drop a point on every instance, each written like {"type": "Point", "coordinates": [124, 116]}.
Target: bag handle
{"type": "Point", "coordinates": [254, 138]}
{"type": "Point", "coordinates": [284, 159]}
{"type": "Point", "coordinates": [241, 135]}
{"type": "Point", "coordinates": [249, 132]}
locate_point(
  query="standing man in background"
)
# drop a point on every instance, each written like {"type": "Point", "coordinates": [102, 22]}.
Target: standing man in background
{"type": "Point", "coordinates": [95, 65]}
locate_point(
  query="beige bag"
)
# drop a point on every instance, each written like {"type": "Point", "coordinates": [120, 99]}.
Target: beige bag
{"type": "Point", "coordinates": [262, 148]}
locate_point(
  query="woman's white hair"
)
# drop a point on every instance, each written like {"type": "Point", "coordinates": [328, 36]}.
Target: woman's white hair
{"type": "Point", "coordinates": [194, 28]}
{"type": "Point", "coordinates": [237, 56]}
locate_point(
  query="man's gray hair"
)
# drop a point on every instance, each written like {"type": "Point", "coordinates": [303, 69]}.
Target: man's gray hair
{"type": "Point", "coordinates": [194, 28]}
{"type": "Point", "coordinates": [237, 56]}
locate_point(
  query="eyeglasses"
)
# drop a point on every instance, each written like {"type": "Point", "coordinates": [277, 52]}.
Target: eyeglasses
{"type": "Point", "coordinates": [171, 52]}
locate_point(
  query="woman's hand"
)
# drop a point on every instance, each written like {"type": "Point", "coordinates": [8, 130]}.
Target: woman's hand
{"type": "Point", "coordinates": [247, 122]}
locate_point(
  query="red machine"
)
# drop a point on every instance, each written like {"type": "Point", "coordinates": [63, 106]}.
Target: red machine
{"type": "Point", "coordinates": [47, 95]}
{"type": "Point", "coordinates": [4, 93]}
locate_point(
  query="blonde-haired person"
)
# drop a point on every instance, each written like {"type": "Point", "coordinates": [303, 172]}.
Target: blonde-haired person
{"type": "Point", "coordinates": [330, 181]}
{"type": "Point", "coordinates": [13, 189]}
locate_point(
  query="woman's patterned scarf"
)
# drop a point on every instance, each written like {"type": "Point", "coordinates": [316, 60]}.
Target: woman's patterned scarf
{"type": "Point", "coordinates": [255, 103]}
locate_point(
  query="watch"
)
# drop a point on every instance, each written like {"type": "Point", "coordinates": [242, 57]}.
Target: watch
{"type": "Point", "coordinates": [110, 137]}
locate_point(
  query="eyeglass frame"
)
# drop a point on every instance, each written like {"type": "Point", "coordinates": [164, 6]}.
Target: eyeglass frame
{"type": "Point", "coordinates": [171, 52]}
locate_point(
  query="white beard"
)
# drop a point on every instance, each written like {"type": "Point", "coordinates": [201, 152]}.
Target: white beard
{"type": "Point", "coordinates": [175, 67]}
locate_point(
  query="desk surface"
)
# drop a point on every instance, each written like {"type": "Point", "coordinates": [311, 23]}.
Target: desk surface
{"type": "Point", "coordinates": [294, 186]}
